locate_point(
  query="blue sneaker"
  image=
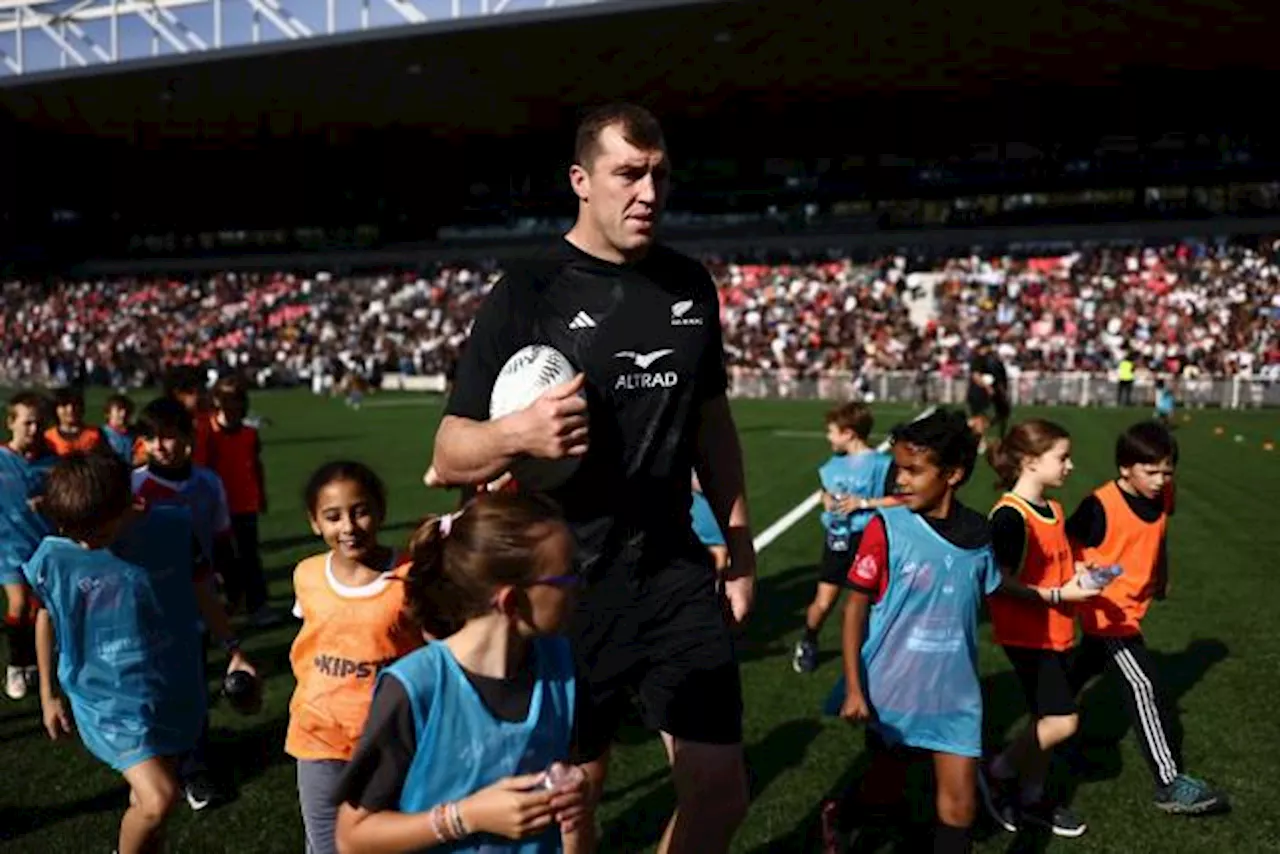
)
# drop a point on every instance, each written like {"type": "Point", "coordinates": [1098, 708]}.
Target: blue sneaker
{"type": "Point", "coordinates": [1188, 796]}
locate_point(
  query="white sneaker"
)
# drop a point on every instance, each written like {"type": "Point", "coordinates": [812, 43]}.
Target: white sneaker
{"type": "Point", "coordinates": [15, 683]}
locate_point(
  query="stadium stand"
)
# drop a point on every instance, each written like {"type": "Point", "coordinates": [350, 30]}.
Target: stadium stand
{"type": "Point", "coordinates": [1211, 310]}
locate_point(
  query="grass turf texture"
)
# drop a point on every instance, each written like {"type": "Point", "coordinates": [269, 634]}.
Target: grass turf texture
{"type": "Point", "coordinates": [1216, 641]}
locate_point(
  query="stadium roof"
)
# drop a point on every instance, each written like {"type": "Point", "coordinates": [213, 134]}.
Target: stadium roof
{"type": "Point", "coordinates": [891, 67]}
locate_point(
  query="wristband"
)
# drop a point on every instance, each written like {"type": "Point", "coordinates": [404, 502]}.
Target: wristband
{"type": "Point", "coordinates": [459, 826]}
{"type": "Point", "coordinates": [437, 824]}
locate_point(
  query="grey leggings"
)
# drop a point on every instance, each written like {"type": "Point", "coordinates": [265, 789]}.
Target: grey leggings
{"type": "Point", "coordinates": [317, 783]}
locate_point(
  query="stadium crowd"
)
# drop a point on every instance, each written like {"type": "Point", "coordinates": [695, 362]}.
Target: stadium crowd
{"type": "Point", "coordinates": [1208, 309]}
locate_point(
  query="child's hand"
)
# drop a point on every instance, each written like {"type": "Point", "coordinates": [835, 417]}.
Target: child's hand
{"type": "Point", "coordinates": [57, 720]}
{"type": "Point", "coordinates": [855, 708]}
{"type": "Point", "coordinates": [849, 504]}
{"type": "Point", "coordinates": [514, 808]}
{"type": "Point", "coordinates": [570, 799]}
{"type": "Point", "coordinates": [1073, 592]}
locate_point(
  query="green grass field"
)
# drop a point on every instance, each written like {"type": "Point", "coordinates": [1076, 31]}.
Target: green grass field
{"type": "Point", "coordinates": [1216, 639]}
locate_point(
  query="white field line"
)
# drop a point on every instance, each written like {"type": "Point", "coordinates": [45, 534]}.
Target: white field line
{"type": "Point", "coordinates": [400, 401]}
{"type": "Point", "coordinates": [795, 514]}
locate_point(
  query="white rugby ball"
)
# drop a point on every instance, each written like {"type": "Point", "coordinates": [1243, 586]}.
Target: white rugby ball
{"type": "Point", "coordinates": [523, 379]}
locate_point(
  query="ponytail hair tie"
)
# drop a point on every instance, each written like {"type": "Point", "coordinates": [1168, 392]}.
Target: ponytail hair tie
{"type": "Point", "coordinates": [446, 523]}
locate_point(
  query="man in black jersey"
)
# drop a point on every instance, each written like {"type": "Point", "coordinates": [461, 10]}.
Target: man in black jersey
{"type": "Point", "coordinates": [988, 390]}
{"type": "Point", "coordinates": [641, 323]}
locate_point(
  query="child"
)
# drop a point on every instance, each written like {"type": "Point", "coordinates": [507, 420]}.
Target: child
{"type": "Point", "coordinates": [184, 384]}
{"type": "Point", "coordinates": [1034, 620]}
{"type": "Point", "coordinates": [1125, 522]}
{"type": "Point", "coordinates": [350, 600]}
{"type": "Point", "coordinates": [233, 451]}
{"type": "Point", "coordinates": [1165, 403]}
{"type": "Point", "coordinates": [116, 431]}
{"type": "Point", "coordinates": [855, 481]}
{"type": "Point", "coordinates": [911, 671]}
{"type": "Point", "coordinates": [21, 529]}
{"type": "Point", "coordinates": [71, 435]}
{"type": "Point", "coordinates": [463, 733]}
{"type": "Point", "coordinates": [170, 478]}
{"type": "Point", "coordinates": [120, 598]}
{"type": "Point", "coordinates": [706, 528]}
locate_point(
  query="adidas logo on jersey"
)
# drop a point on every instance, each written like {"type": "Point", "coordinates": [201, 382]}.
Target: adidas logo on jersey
{"type": "Point", "coordinates": [582, 320]}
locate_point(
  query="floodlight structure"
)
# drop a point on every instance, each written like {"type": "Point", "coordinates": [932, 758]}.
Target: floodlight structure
{"type": "Point", "coordinates": [47, 35]}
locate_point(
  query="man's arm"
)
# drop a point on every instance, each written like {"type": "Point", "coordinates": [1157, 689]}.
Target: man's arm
{"type": "Point", "coordinates": [721, 472]}
{"type": "Point", "coordinates": [471, 452]}
{"type": "Point", "coordinates": [469, 448]}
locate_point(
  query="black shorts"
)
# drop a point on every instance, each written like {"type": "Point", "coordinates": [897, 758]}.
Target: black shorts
{"type": "Point", "coordinates": [978, 400]}
{"type": "Point", "coordinates": [1043, 675]}
{"type": "Point", "coordinates": [834, 568]}
{"type": "Point", "coordinates": [670, 646]}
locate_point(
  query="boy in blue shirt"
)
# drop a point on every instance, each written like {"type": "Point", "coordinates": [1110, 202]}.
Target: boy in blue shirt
{"type": "Point", "coordinates": [1165, 403]}
{"type": "Point", "coordinates": [911, 624]}
{"type": "Point", "coordinates": [120, 594]}
{"type": "Point", "coordinates": [116, 429]}
{"type": "Point", "coordinates": [855, 483]}
{"type": "Point", "coordinates": [22, 468]}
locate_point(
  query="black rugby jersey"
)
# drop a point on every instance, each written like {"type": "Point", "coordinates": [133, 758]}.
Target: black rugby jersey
{"type": "Point", "coordinates": [647, 336]}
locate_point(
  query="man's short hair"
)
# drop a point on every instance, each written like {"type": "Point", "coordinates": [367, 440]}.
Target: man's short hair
{"type": "Point", "coordinates": [638, 126]}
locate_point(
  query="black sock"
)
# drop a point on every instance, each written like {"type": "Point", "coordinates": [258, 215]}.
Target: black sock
{"type": "Point", "coordinates": [950, 840]}
{"type": "Point", "coordinates": [810, 636]}
{"type": "Point", "coordinates": [22, 644]}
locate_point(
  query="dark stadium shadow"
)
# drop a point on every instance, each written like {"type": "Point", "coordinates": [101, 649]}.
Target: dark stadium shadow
{"type": "Point", "coordinates": [906, 829]}
{"type": "Point", "coordinates": [237, 757]}
{"type": "Point", "coordinates": [642, 825]}
{"type": "Point", "coordinates": [17, 822]}
{"type": "Point", "coordinates": [787, 593]}
{"type": "Point", "coordinates": [1094, 755]}
{"type": "Point", "coordinates": [270, 441]}
{"type": "Point", "coordinates": [22, 733]}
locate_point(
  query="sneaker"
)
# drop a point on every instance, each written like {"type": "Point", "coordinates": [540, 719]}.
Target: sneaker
{"type": "Point", "coordinates": [1189, 796]}
{"type": "Point", "coordinates": [15, 683]}
{"type": "Point", "coordinates": [200, 792]}
{"type": "Point", "coordinates": [805, 658]}
{"type": "Point", "coordinates": [1060, 820]}
{"type": "Point", "coordinates": [264, 618]}
{"type": "Point", "coordinates": [999, 797]}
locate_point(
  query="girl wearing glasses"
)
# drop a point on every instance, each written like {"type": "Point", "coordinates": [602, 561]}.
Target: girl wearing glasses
{"type": "Point", "coordinates": [471, 741]}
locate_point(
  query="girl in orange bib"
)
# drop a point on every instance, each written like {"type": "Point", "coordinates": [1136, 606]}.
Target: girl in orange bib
{"type": "Point", "coordinates": [351, 601]}
{"type": "Point", "coordinates": [1033, 619]}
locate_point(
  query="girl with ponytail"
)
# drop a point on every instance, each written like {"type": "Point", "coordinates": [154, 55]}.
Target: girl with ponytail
{"type": "Point", "coordinates": [472, 741]}
{"type": "Point", "coordinates": [1034, 620]}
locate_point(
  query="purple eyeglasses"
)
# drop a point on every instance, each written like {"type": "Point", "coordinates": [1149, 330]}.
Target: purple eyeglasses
{"type": "Point", "coordinates": [558, 581]}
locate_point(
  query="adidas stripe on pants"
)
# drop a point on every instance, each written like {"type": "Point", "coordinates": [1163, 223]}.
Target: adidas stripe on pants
{"type": "Point", "coordinates": [1127, 658]}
